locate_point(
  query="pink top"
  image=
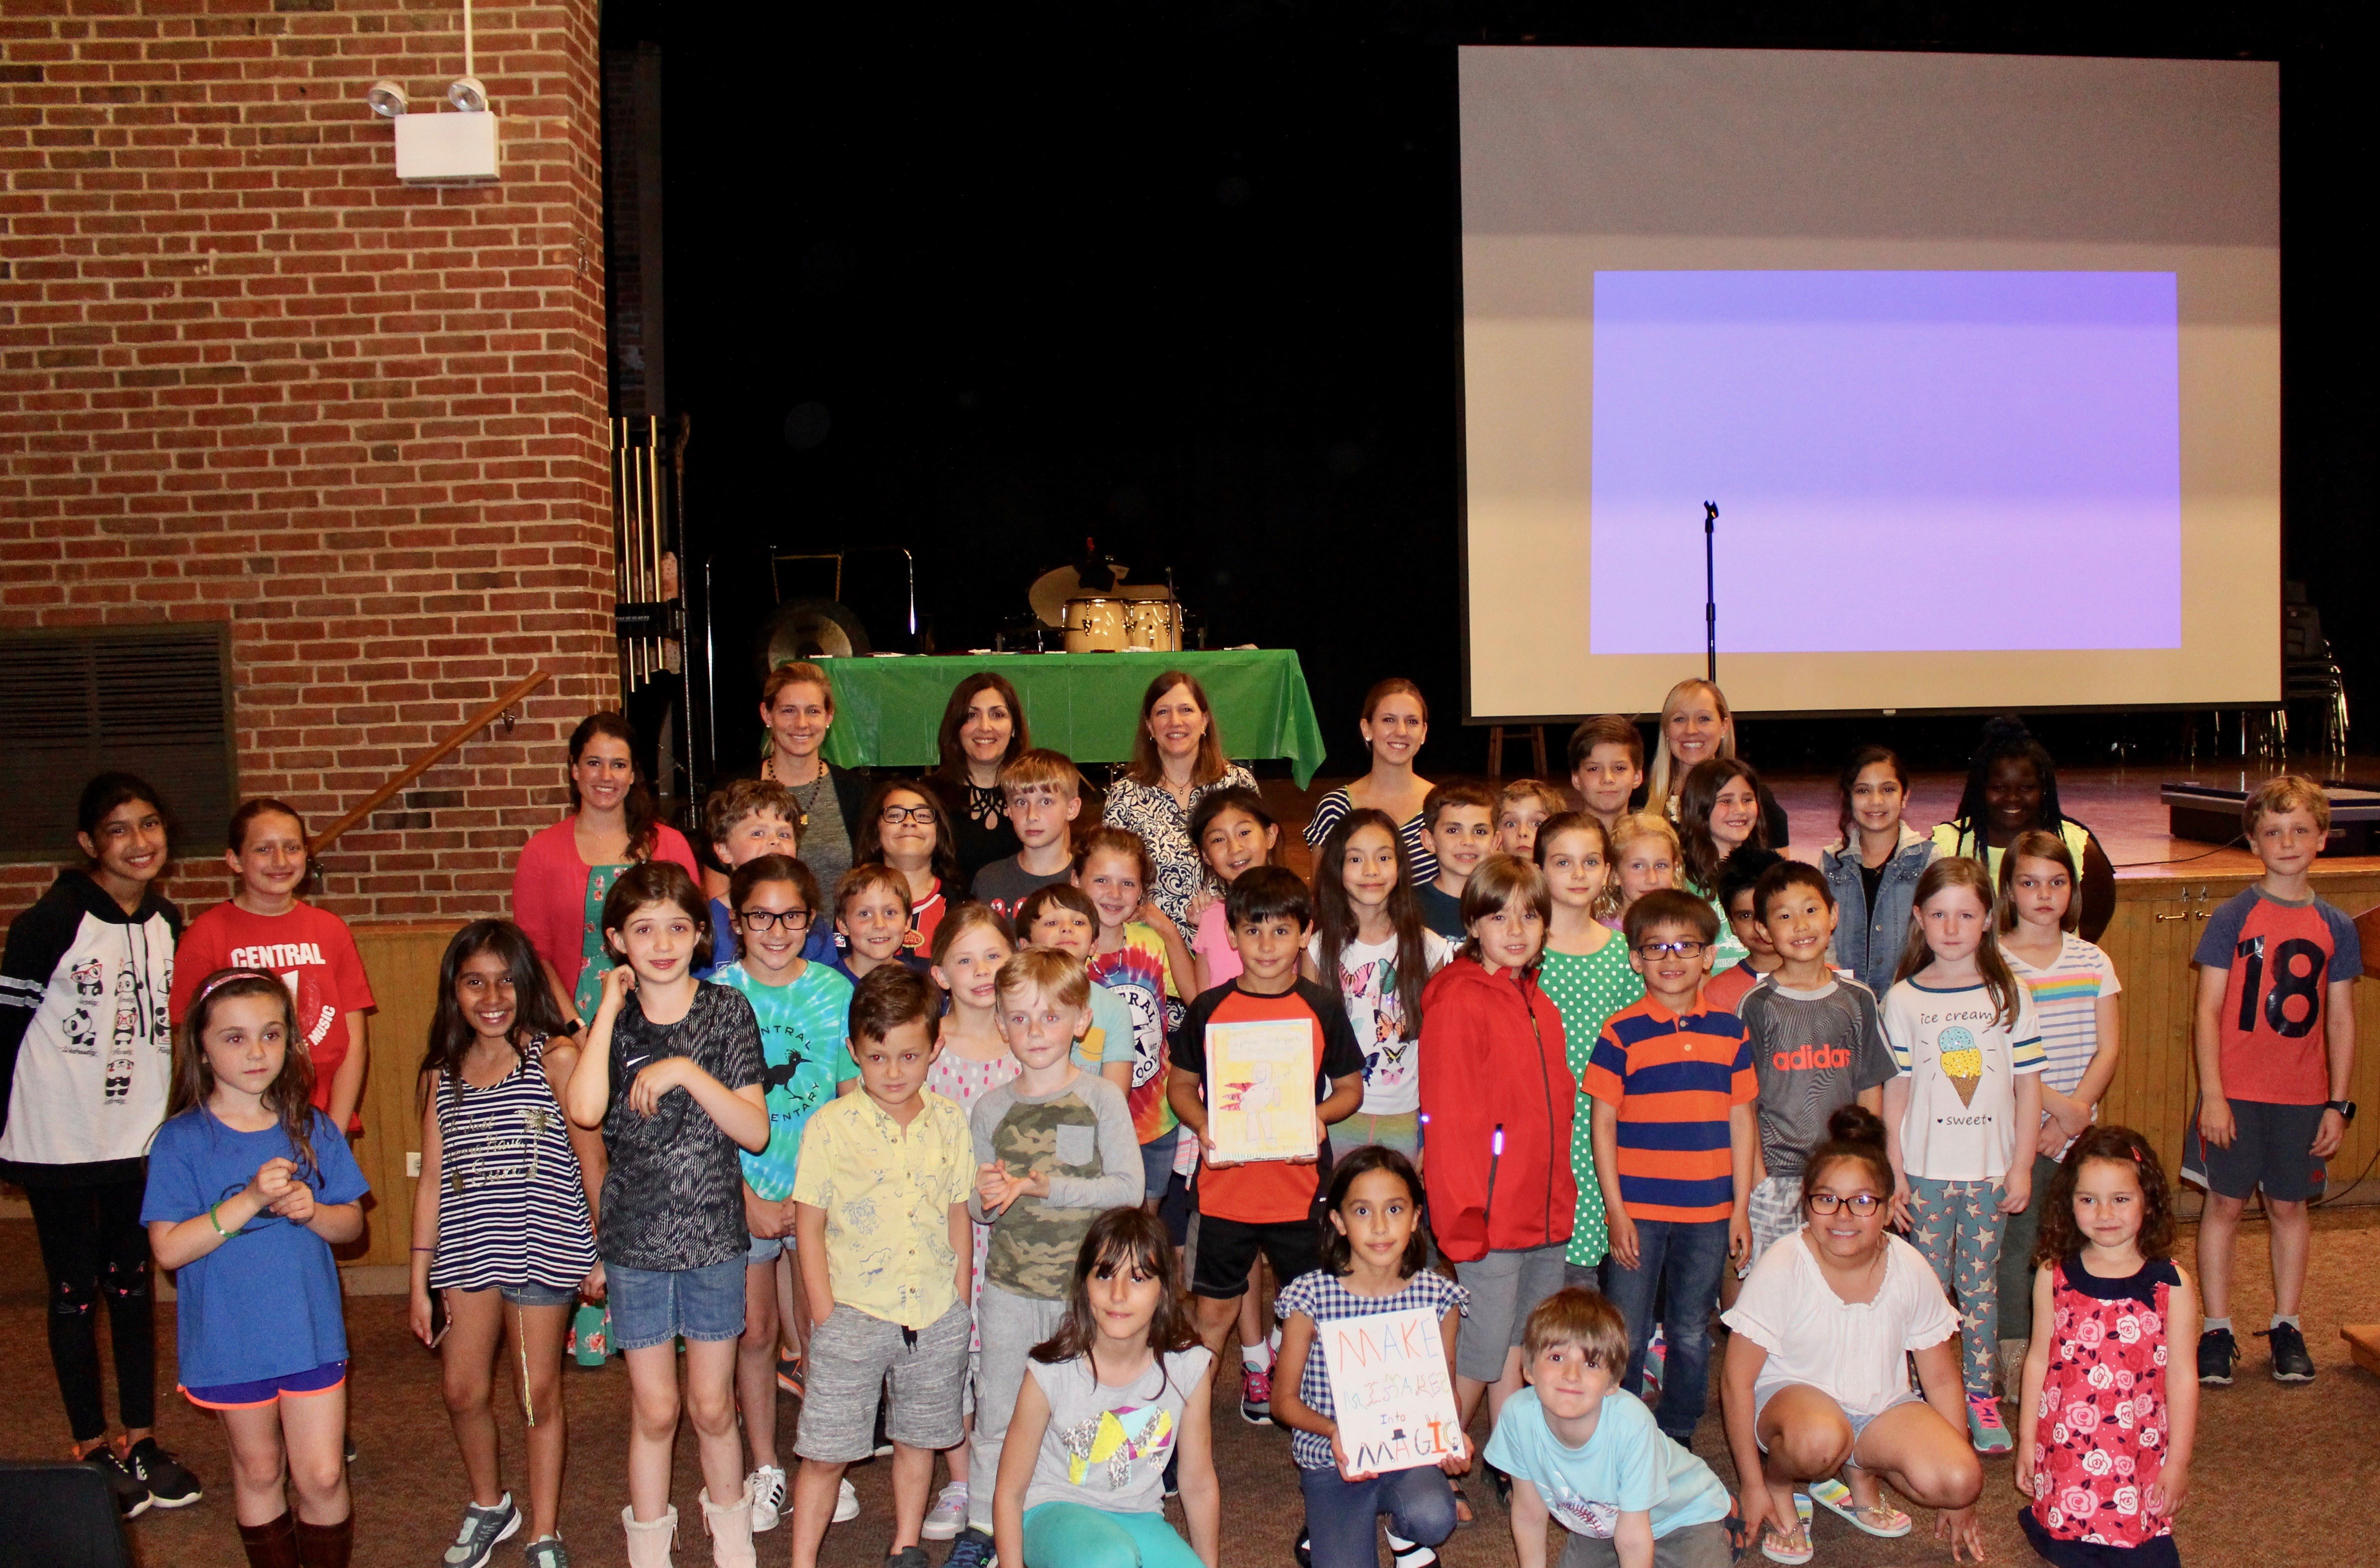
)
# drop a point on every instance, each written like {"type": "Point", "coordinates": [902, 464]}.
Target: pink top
{"type": "Point", "coordinates": [1212, 942]}
{"type": "Point", "coordinates": [550, 890]}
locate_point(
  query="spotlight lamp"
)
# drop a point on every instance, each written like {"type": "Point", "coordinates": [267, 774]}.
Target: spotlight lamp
{"type": "Point", "coordinates": [469, 95]}
{"type": "Point", "coordinates": [388, 98]}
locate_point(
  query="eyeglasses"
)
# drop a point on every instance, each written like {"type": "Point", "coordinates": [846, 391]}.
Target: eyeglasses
{"type": "Point", "coordinates": [1859, 1203]}
{"type": "Point", "coordinates": [767, 919]}
{"type": "Point", "coordinates": [923, 816]}
{"type": "Point", "coordinates": [1672, 949]}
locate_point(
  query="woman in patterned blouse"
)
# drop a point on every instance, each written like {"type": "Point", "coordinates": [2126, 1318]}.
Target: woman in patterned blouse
{"type": "Point", "coordinates": [1177, 758]}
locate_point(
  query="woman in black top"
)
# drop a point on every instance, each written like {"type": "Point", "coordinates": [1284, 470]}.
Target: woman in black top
{"type": "Point", "coordinates": [983, 729]}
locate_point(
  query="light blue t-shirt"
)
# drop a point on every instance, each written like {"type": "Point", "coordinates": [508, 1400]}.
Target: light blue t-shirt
{"type": "Point", "coordinates": [265, 1304]}
{"type": "Point", "coordinates": [1114, 1019]}
{"type": "Point", "coordinates": [804, 1052]}
{"type": "Point", "coordinates": [1626, 1467]}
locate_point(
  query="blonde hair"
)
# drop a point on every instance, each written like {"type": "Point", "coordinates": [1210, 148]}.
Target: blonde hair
{"type": "Point", "coordinates": [1039, 767]}
{"type": "Point", "coordinates": [1666, 778]}
{"type": "Point", "coordinates": [1999, 982]}
{"type": "Point", "coordinates": [2035, 845]}
{"type": "Point", "coordinates": [1583, 1318]}
{"type": "Point", "coordinates": [2286, 792]}
{"type": "Point", "coordinates": [1553, 798]}
{"type": "Point", "coordinates": [1053, 973]}
{"type": "Point", "coordinates": [1633, 825]}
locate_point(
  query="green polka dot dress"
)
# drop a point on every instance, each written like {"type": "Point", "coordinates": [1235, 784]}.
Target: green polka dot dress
{"type": "Point", "coordinates": [1587, 991]}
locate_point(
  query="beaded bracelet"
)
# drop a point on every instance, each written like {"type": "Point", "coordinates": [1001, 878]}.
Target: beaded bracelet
{"type": "Point", "coordinates": [215, 1222]}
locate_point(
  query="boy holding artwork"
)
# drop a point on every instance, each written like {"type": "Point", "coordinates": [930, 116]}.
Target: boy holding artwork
{"type": "Point", "coordinates": [1266, 1204]}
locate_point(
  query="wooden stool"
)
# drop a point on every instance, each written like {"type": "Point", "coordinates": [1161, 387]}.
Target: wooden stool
{"type": "Point", "coordinates": [1495, 750]}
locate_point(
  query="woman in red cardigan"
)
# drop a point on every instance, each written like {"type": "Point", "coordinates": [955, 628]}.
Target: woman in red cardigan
{"type": "Point", "coordinates": [566, 870]}
{"type": "Point", "coordinates": [1497, 1103]}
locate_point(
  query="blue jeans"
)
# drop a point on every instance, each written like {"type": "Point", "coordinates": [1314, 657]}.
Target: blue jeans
{"type": "Point", "coordinates": [1678, 1266]}
{"type": "Point", "coordinates": [1339, 1512]}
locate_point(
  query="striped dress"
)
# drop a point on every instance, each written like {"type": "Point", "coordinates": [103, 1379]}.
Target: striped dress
{"type": "Point", "coordinates": [512, 1208]}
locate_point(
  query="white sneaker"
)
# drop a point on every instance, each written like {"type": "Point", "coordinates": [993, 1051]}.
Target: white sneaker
{"type": "Point", "coordinates": [846, 1504]}
{"type": "Point", "coordinates": [948, 1517]}
{"type": "Point", "coordinates": [768, 1484]}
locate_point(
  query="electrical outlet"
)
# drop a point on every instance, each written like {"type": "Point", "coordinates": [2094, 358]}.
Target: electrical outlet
{"type": "Point", "coordinates": [413, 1163]}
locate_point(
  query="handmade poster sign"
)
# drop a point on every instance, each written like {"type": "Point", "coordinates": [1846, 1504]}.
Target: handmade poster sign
{"type": "Point", "coordinates": [1390, 1390]}
{"type": "Point", "coordinates": [1261, 1078]}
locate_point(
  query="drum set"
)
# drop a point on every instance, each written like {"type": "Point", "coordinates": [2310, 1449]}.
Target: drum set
{"type": "Point", "coordinates": [1116, 617]}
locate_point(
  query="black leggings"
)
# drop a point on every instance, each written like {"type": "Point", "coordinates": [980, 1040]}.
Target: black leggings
{"type": "Point", "coordinates": [93, 1245]}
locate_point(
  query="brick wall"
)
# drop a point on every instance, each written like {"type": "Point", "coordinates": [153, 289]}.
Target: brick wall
{"type": "Point", "coordinates": [245, 375]}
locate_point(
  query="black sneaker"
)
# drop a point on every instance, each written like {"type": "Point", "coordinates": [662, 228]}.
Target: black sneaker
{"type": "Point", "coordinates": [133, 1498]}
{"type": "Point", "coordinates": [170, 1484]}
{"type": "Point", "coordinates": [2291, 1362]}
{"type": "Point", "coordinates": [972, 1550]}
{"type": "Point", "coordinates": [1303, 1549]}
{"type": "Point", "coordinates": [2218, 1353]}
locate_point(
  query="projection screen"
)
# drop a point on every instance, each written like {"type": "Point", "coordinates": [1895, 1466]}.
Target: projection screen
{"type": "Point", "coordinates": [1979, 357]}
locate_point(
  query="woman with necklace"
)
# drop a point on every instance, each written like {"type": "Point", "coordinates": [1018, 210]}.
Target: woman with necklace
{"type": "Point", "coordinates": [1396, 722]}
{"type": "Point", "coordinates": [983, 729]}
{"type": "Point", "coordinates": [1177, 758]}
{"type": "Point", "coordinates": [567, 870]}
{"type": "Point", "coordinates": [797, 704]}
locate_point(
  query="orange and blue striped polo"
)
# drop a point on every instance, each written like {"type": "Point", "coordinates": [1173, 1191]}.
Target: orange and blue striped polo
{"type": "Point", "coordinates": [1673, 1081]}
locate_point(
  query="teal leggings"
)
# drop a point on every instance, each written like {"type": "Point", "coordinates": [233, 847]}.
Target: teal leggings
{"type": "Point", "coordinates": [1067, 1535]}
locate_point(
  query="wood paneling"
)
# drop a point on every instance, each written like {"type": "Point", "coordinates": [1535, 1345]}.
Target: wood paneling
{"type": "Point", "coordinates": [2157, 924]}
{"type": "Point", "coordinates": [402, 963]}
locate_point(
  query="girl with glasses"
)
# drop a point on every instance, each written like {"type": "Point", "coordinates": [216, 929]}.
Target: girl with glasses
{"type": "Point", "coordinates": [1816, 1376]}
{"type": "Point", "coordinates": [905, 827]}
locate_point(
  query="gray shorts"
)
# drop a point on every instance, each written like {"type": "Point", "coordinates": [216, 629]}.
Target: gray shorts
{"type": "Point", "coordinates": [850, 1354]}
{"type": "Point", "coordinates": [1696, 1546]}
{"type": "Point", "coordinates": [1775, 1210]}
{"type": "Point", "coordinates": [1505, 1288]}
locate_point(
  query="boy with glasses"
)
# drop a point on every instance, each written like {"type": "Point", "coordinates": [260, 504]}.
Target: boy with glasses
{"type": "Point", "coordinates": [803, 1010]}
{"type": "Point", "coordinates": [1675, 1140]}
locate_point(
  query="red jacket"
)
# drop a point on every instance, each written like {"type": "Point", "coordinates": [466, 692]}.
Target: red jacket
{"type": "Point", "coordinates": [1491, 1057]}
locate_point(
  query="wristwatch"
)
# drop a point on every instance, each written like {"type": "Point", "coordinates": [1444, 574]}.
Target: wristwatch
{"type": "Point", "coordinates": [2345, 1108]}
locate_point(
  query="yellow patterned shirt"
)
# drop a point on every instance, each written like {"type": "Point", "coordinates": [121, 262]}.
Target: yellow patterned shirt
{"type": "Point", "coordinates": [887, 1191]}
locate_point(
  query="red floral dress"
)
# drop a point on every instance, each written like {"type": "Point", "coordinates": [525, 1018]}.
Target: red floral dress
{"type": "Point", "coordinates": [2099, 1438]}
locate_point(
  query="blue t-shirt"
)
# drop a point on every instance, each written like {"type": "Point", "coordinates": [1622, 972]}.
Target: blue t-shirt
{"type": "Point", "coordinates": [266, 1303]}
{"type": "Point", "coordinates": [1626, 1467]}
{"type": "Point", "coordinates": [804, 1052]}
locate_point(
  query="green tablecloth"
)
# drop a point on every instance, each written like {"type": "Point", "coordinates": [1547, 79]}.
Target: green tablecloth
{"type": "Point", "coordinates": [1087, 705]}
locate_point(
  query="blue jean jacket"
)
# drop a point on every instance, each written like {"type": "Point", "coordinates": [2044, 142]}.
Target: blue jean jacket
{"type": "Point", "coordinates": [1868, 941]}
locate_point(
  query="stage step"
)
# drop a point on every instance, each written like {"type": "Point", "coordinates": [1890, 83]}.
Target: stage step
{"type": "Point", "coordinates": [2364, 1345]}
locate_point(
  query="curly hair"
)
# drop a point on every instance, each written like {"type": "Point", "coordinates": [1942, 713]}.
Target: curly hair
{"type": "Point", "coordinates": [2060, 1237]}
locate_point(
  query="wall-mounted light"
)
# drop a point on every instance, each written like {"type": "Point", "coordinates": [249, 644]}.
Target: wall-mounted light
{"type": "Point", "coordinates": [444, 149]}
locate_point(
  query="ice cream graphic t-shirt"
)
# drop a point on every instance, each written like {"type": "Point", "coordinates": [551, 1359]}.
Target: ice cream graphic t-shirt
{"type": "Point", "coordinates": [1962, 1056]}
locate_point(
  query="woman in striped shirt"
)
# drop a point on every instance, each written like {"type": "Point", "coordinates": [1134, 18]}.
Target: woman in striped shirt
{"type": "Point", "coordinates": [503, 1221]}
{"type": "Point", "coordinates": [1396, 722]}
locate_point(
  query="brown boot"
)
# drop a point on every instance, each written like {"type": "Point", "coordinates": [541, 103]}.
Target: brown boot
{"type": "Point", "coordinates": [271, 1546]}
{"type": "Point", "coordinates": [326, 1546]}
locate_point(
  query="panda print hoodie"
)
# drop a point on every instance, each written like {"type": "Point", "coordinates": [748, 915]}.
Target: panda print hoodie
{"type": "Point", "coordinates": [86, 1051]}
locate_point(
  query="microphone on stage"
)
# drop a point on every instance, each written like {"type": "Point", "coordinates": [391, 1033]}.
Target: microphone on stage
{"type": "Point", "coordinates": [1710, 593]}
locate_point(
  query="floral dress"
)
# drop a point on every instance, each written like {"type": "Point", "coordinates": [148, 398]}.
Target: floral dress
{"type": "Point", "coordinates": [1586, 990]}
{"type": "Point", "coordinates": [2100, 1436]}
{"type": "Point", "coordinates": [963, 1079]}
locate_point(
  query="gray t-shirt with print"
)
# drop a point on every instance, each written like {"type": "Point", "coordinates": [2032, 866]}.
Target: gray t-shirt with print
{"type": "Point", "coordinates": [1107, 1448]}
{"type": "Point", "coordinates": [1814, 1052]}
{"type": "Point", "coordinates": [673, 1197]}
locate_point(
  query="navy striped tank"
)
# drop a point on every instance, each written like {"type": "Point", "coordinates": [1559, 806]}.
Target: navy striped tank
{"type": "Point", "coordinates": [512, 1209]}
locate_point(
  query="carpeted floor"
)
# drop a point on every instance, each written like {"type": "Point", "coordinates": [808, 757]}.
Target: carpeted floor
{"type": "Point", "coordinates": [2282, 1476]}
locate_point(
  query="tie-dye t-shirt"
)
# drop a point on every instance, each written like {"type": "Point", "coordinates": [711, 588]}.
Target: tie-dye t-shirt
{"type": "Point", "coordinates": [805, 1054]}
{"type": "Point", "coordinates": [1107, 1448]}
{"type": "Point", "coordinates": [1139, 975]}
{"type": "Point", "coordinates": [1383, 1023]}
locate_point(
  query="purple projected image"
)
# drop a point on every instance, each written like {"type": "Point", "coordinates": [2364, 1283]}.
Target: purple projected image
{"type": "Point", "coordinates": [1936, 461]}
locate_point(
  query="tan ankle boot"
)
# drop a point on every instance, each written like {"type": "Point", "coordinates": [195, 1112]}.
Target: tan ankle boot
{"type": "Point", "coordinates": [730, 1530]}
{"type": "Point", "coordinates": [649, 1545]}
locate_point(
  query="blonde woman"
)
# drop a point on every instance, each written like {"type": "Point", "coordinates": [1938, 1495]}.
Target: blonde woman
{"type": "Point", "coordinates": [1698, 726]}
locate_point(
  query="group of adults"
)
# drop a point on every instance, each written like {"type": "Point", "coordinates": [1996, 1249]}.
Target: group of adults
{"type": "Point", "coordinates": [1178, 757]}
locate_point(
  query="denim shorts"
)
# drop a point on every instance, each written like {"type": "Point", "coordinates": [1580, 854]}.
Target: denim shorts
{"type": "Point", "coordinates": [1157, 1163]}
{"type": "Point", "coordinates": [530, 1294]}
{"type": "Point", "coordinates": [766, 1250]}
{"type": "Point", "coordinates": [654, 1306]}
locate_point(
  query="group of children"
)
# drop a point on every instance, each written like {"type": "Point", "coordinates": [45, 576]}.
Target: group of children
{"type": "Point", "coordinates": [929, 1162]}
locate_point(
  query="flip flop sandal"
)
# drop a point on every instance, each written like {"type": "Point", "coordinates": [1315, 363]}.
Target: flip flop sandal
{"type": "Point", "coordinates": [1883, 1520]}
{"type": "Point", "coordinates": [1772, 1548]}
{"type": "Point", "coordinates": [1462, 1501]}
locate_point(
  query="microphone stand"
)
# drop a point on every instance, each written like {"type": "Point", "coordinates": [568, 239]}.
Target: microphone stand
{"type": "Point", "coordinates": [1710, 593]}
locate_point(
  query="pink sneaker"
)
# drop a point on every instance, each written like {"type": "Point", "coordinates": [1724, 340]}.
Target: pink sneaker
{"type": "Point", "coordinates": [1256, 1396]}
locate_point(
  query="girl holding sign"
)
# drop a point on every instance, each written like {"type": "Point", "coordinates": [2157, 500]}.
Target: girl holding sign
{"type": "Point", "coordinates": [1372, 1258]}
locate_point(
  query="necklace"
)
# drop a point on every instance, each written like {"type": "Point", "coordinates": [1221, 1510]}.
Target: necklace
{"type": "Point", "coordinates": [804, 802]}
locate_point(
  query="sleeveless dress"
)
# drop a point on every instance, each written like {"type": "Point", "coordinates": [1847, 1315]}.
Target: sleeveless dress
{"type": "Point", "coordinates": [964, 1080]}
{"type": "Point", "coordinates": [2100, 1438]}
{"type": "Point", "coordinates": [512, 1209]}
